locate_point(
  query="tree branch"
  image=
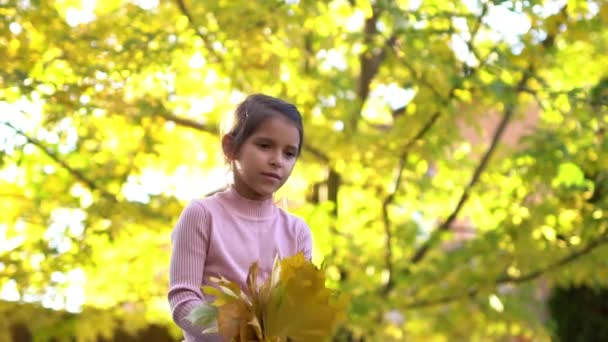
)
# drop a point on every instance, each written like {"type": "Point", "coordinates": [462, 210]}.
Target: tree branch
{"type": "Point", "coordinates": [77, 174]}
{"type": "Point", "coordinates": [388, 257]}
{"type": "Point", "coordinates": [439, 14]}
{"type": "Point", "coordinates": [185, 122]}
{"type": "Point", "coordinates": [436, 234]}
{"type": "Point", "coordinates": [240, 81]}
{"type": "Point", "coordinates": [188, 123]}
{"type": "Point", "coordinates": [420, 79]}
{"type": "Point", "coordinates": [369, 62]}
{"type": "Point", "coordinates": [316, 153]}
{"type": "Point", "coordinates": [559, 263]}
{"type": "Point", "coordinates": [603, 240]}
{"type": "Point", "coordinates": [403, 157]}
{"type": "Point", "coordinates": [420, 253]}
{"type": "Point", "coordinates": [441, 300]}
{"type": "Point", "coordinates": [186, 12]}
{"type": "Point", "coordinates": [475, 31]}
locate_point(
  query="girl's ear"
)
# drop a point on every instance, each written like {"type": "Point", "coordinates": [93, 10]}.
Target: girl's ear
{"type": "Point", "coordinates": [227, 146]}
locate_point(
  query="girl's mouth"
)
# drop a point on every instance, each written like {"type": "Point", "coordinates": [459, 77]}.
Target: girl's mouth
{"type": "Point", "coordinates": [271, 175]}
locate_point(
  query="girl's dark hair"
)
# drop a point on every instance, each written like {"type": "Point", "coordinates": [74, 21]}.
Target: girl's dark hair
{"type": "Point", "coordinates": [256, 108]}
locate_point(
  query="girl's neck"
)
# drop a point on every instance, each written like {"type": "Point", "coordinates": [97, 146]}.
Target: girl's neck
{"type": "Point", "coordinates": [247, 207]}
{"type": "Point", "coordinates": [247, 192]}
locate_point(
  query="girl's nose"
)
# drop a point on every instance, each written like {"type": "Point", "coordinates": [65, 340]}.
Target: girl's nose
{"type": "Point", "coordinates": [275, 160]}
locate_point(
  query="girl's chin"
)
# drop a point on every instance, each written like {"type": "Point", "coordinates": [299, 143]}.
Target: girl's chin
{"type": "Point", "coordinates": [259, 192]}
{"type": "Point", "coordinates": [265, 192]}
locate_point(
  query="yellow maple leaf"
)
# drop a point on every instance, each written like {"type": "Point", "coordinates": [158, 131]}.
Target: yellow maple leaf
{"type": "Point", "coordinates": [293, 304]}
{"type": "Point", "coordinates": [301, 308]}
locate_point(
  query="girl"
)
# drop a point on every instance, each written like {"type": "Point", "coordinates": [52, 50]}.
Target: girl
{"type": "Point", "coordinates": [222, 235]}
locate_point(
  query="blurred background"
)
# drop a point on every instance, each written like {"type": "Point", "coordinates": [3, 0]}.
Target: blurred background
{"type": "Point", "coordinates": [454, 174]}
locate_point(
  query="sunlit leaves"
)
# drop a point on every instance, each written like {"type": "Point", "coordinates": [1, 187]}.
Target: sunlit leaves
{"type": "Point", "coordinates": [118, 107]}
{"type": "Point", "coordinates": [291, 304]}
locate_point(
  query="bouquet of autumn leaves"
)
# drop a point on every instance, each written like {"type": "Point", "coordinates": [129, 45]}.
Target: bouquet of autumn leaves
{"type": "Point", "coordinates": [293, 304]}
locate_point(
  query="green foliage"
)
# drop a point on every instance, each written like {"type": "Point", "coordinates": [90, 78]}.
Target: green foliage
{"type": "Point", "coordinates": [439, 224]}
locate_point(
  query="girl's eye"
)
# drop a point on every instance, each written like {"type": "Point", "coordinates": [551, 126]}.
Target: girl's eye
{"type": "Point", "coordinates": [263, 145]}
{"type": "Point", "coordinates": [290, 154]}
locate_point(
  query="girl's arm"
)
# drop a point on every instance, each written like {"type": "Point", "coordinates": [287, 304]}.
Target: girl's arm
{"type": "Point", "coordinates": [304, 240]}
{"type": "Point", "coordinates": [189, 249]}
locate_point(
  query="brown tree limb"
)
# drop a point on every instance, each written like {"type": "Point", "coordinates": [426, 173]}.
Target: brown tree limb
{"type": "Point", "coordinates": [217, 57]}
{"type": "Point", "coordinates": [186, 12]}
{"type": "Point", "coordinates": [322, 157]}
{"type": "Point", "coordinates": [559, 263]}
{"type": "Point", "coordinates": [441, 300]}
{"type": "Point", "coordinates": [369, 62]}
{"type": "Point", "coordinates": [439, 14]}
{"type": "Point", "coordinates": [214, 130]}
{"type": "Point", "coordinates": [475, 31]}
{"type": "Point", "coordinates": [186, 122]}
{"type": "Point", "coordinates": [420, 253]}
{"type": "Point", "coordinates": [198, 126]}
{"type": "Point", "coordinates": [532, 275]}
{"type": "Point", "coordinates": [388, 257]}
{"type": "Point", "coordinates": [77, 174]}
{"type": "Point", "coordinates": [393, 43]}
{"type": "Point", "coordinates": [419, 78]}
{"type": "Point", "coordinates": [403, 157]}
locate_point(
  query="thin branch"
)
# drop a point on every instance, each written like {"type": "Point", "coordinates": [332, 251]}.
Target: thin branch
{"type": "Point", "coordinates": [186, 12]}
{"type": "Point", "coordinates": [603, 240]}
{"type": "Point", "coordinates": [439, 14]}
{"type": "Point", "coordinates": [475, 31]}
{"type": "Point", "coordinates": [420, 79]}
{"type": "Point", "coordinates": [188, 123]}
{"type": "Point", "coordinates": [316, 153]}
{"type": "Point", "coordinates": [72, 171]}
{"type": "Point", "coordinates": [583, 98]}
{"type": "Point", "coordinates": [436, 234]}
{"type": "Point", "coordinates": [198, 126]}
{"type": "Point", "coordinates": [403, 157]}
{"type": "Point", "coordinates": [369, 62]}
{"type": "Point", "coordinates": [240, 79]}
{"type": "Point", "coordinates": [388, 257]}
{"type": "Point", "coordinates": [441, 300]}
{"type": "Point", "coordinates": [20, 197]}
{"type": "Point", "coordinates": [537, 273]}
{"type": "Point", "coordinates": [444, 99]}
{"type": "Point", "coordinates": [559, 263]}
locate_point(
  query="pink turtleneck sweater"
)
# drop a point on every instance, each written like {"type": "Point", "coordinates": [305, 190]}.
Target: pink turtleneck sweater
{"type": "Point", "coordinates": [222, 235]}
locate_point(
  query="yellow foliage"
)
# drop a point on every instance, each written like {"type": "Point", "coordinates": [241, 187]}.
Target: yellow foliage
{"type": "Point", "coordinates": [292, 304]}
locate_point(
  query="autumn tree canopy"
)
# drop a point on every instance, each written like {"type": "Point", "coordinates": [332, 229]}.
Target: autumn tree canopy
{"type": "Point", "coordinates": [423, 206]}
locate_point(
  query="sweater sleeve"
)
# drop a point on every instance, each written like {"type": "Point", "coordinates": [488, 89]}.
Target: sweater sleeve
{"type": "Point", "coordinates": [304, 239]}
{"type": "Point", "coordinates": [189, 239]}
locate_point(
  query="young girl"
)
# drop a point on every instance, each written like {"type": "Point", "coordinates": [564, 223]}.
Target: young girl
{"type": "Point", "coordinates": [224, 234]}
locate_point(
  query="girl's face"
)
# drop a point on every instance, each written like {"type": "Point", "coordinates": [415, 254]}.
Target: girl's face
{"type": "Point", "coordinates": [265, 160]}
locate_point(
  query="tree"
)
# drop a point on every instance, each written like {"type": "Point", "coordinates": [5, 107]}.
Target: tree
{"type": "Point", "coordinates": [111, 119]}
{"type": "Point", "coordinates": [569, 324]}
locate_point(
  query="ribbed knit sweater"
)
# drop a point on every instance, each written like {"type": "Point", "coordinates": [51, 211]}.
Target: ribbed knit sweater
{"type": "Point", "coordinates": [222, 235]}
